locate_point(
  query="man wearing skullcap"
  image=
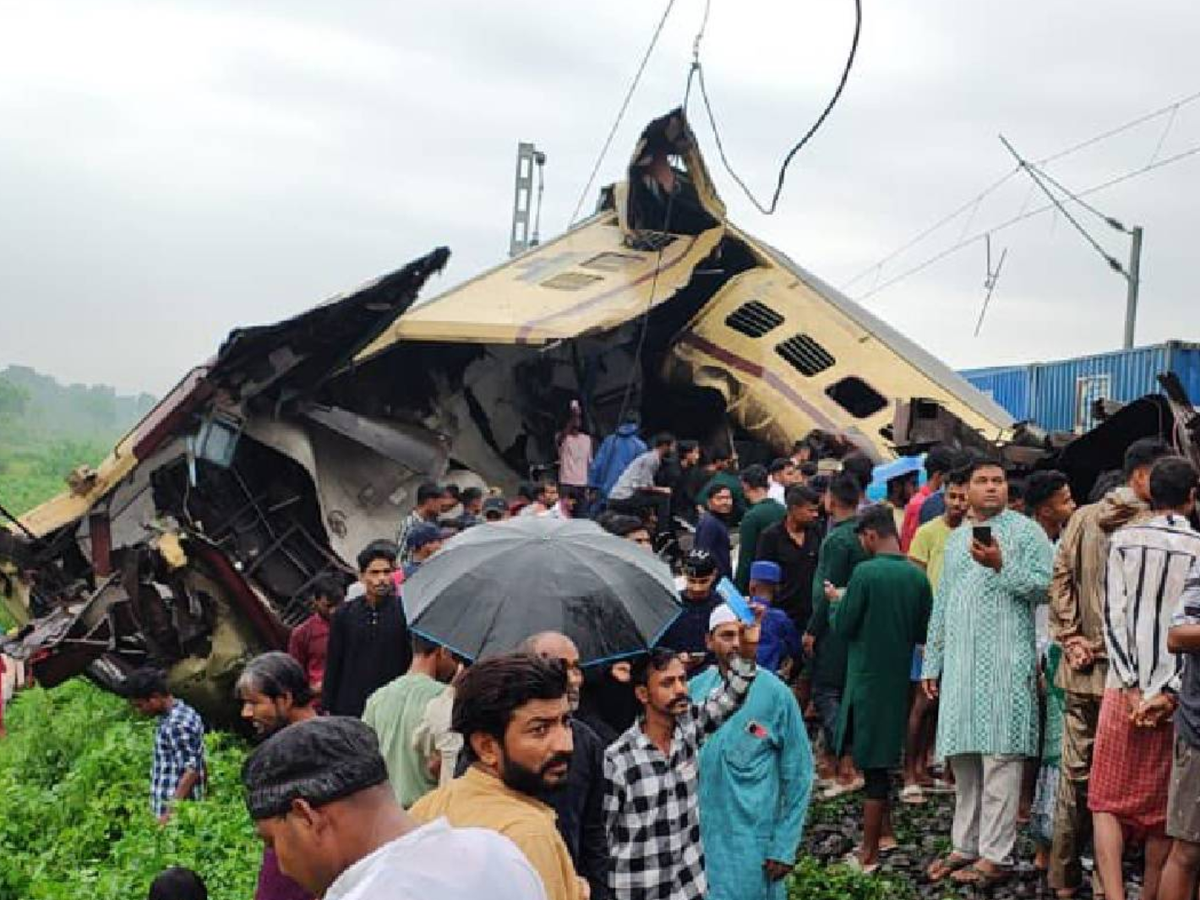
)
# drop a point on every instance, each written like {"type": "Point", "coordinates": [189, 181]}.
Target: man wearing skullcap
{"type": "Point", "coordinates": [319, 796]}
{"type": "Point", "coordinates": [756, 775]}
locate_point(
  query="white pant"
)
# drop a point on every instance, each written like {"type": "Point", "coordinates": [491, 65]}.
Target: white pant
{"type": "Point", "coordinates": [987, 791]}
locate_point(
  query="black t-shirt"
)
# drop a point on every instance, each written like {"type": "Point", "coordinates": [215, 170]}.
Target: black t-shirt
{"type": "Point", "coordinates": [799, 565]}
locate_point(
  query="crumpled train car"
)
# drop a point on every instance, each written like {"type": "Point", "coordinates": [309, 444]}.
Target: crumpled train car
{"type": "Point", "coordinates": [190, 546]}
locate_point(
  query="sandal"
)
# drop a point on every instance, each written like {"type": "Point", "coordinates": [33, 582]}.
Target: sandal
{"type": "Point", "coordinates": [852, 861]}
{"type": "Point", "coordinates": [890, 845]}
{"type": "Point", "coordinates": [977, 877]}
{"type": "Point", "coordinates": [941, 869]}
{"type": "Point", "coordinates": [913, 794]}
{"type": "Point", "coordinates": [839, 789]}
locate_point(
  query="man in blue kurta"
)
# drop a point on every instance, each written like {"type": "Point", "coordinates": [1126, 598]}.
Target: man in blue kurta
{"type": "Point", "coordinates": [756, 776]}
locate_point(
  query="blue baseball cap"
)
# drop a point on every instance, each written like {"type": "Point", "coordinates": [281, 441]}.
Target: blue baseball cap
{"type": "Point", "coordinates": [766, 572]}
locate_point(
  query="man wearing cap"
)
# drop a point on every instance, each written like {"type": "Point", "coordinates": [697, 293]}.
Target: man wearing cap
{"type": "Point", "coordinates": [422, 542]}
{"type": "Point", "coordinates": [319, 797]}
{"type": "Point", "coordinates": [756, 775]}
{"type": "Point", "coordinates": [882, 615]}
{"type": "Point", "coordinates": [688, 634]}
{"type": "Point", "coordinates": [779, 650]}
{"type": "Point", "coordinates": [495, 510]}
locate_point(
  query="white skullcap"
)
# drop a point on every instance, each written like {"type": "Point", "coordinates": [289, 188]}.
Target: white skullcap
{"type": "Point", "coordinates": [722, 615]}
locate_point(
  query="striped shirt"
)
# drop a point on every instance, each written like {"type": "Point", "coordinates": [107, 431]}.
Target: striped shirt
{"type": "Point", "coordinates": [1148, 565]}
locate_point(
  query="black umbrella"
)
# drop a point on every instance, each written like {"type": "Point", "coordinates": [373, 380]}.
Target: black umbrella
{"type": "Point", "coordinates": [493, 586]}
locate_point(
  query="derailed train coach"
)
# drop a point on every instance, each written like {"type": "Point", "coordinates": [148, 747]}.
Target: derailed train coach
{"type": "Point", "coordinates": [191, 546]}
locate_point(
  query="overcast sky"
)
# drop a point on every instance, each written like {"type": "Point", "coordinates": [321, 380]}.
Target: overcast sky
{"type": "Point", "coordinates": [169, 170]}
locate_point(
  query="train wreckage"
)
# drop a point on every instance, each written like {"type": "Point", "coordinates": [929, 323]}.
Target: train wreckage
{"type": "Point", "coordinates": [191, 546]}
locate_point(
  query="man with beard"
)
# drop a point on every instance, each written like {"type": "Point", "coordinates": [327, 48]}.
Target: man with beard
{"type": "Point", "coordinates": [396, 709]}
{"type": "Point", "coordinates": [688, 633]}
{"type": "Point", "coordinates": [275, 693]}
{"type": "Point", "coordinates": [651, 806]}
{"type": "Point", "coordinates": [368, 637]}
{"type": "Point", "coordinates": [515, 719]}
{"type": "Point", "coordinates": [580, 805]}
{"type": "Point", "coordinates": [756, 776]}
{"type": "Point", "coordinates": [318, 794]}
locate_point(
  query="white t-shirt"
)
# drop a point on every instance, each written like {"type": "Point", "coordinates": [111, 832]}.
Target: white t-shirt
{"type": "Point", "coordinates": [437, 861]}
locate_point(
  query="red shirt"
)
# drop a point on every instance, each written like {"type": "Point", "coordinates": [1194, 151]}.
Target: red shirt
{"type": "Point", "coordinates": [308, 645]}
{"type": "Point", "coordinates": [912, 516]}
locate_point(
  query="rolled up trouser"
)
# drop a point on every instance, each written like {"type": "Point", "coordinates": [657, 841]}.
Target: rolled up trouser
{"type": "Point", "coordinates": [1072, 819]}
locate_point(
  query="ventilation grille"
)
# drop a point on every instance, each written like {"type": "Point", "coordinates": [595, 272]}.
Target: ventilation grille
{"type": "Point", "coordinates": [571, 281]}
{"type": "Point", "coordinates": [754, 319]}
{"type": "Point", "coordinates": [611, 262]}
{"type": "Point", "coordinates": [805, 355]}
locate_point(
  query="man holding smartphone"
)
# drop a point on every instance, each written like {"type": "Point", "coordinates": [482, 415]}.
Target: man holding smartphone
{"type": "Point", "coordinates": [980, 660]}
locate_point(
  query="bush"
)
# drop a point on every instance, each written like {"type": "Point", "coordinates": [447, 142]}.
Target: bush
{"type": "Point", "coordinates": [813, 880]}
{"type": "Point", "coordinates": [75, 819]}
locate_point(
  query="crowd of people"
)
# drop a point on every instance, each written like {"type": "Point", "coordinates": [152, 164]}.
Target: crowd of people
{"type": "Point", "coordinates": [966, 634]}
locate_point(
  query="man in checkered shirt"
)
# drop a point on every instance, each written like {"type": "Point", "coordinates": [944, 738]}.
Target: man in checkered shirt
{"type": "Point", "coordinates": [651, 775]}
{"type": "Point", "coordinates": [178, 770]}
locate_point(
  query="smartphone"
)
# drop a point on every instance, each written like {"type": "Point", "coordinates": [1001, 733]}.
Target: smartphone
{"type": "Point", "coordinates": [733, 598]}
{"type": "Point", "coordinates": [983, 534]}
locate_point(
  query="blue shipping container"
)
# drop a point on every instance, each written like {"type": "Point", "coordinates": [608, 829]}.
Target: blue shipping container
{"type": "Point", "coordinates": [1059, 395]}
{"type": "Point", "coordinates": [1007, 385]}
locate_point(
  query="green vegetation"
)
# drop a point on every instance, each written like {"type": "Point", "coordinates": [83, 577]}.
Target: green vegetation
{"type": "Point", "coordinates": [46, 430]}
{"type": "Point", "coordinates": [812, 880]}
{"type": "Point", "coordinates": [74, 807]}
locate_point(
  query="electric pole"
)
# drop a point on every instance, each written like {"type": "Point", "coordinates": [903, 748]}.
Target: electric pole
{"type": "Point", "coordinates": [1133, 276]}
{"type": "Point", "coordinates": [523, 236]}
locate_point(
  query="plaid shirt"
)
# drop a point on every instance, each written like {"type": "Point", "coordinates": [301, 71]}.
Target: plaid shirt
{"type": "Point", "coordinates": [178, 746]}
{"type": "Point", "coordinates": [650, 802]}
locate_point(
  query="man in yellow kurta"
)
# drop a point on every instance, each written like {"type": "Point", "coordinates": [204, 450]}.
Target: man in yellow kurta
{"type": "Point", "coordinates": [513, 714]}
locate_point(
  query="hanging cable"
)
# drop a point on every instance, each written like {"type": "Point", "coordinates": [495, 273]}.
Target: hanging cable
{"type": "Point", "coordinates": [787, 160]}
{"type": "Point", "coordinates": [644, 318]}
{"type": "Point", "coordinates": [612, 132]}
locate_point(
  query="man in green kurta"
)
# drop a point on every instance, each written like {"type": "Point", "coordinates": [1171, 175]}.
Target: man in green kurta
{"type": "Point", "coordinates": [882, 616]}
{"type": "Point", "coordinates": [980, 659]}
{"type": "Point", "coordinates": [761, 514]}
{"type": "Point", "coordinates": [840, 553]}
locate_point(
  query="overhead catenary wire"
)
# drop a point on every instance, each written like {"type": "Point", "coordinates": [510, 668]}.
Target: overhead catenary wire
{"type": "Point", "coordinates": [1170, 109]}
{"type": "Point", "coordinates": [1113, 262]}
{"type": "Point", "coordinates": [955, 248]}
{"type": "Point", "coordinates": [768, 210]}
{"type": "Point", "coordinates": [612, 132]}
{"type": "Point", "coordinates": [1108, 220]}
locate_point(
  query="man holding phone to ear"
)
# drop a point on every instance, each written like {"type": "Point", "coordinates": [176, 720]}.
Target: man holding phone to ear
{"type": "Point", "coordinates": [980, 660]}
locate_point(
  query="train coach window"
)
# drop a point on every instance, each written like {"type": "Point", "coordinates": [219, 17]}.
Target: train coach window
{"type": "Point", "coordinates": [805, 355]}
{"type": "Point", "coordinates": [856, 397]}
{"type": "Point", "coordinates": [754, 319]}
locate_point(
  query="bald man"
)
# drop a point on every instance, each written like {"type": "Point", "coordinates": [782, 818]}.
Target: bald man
{"type": "Point", "coordinates": [580, 804]}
